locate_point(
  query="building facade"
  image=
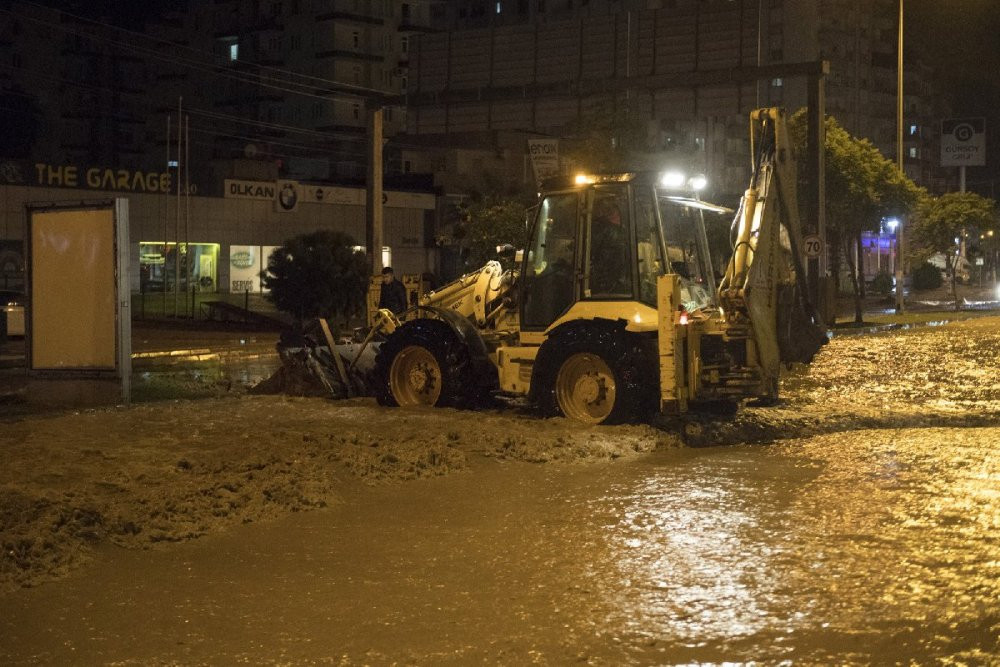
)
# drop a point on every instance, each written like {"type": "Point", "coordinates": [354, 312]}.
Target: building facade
{"type": "Point", "coordinates": [268, 91]}
{"type": "Point", "coordinates": [681, 66]}
{"type": "Point", "coordinates": [222, 242]}
{"type": "Point", "coordinates": [280, 88]}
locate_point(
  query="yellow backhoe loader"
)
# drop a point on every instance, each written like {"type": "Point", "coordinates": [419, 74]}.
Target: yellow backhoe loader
{"type": "Point", "coordinates": [613, 311]}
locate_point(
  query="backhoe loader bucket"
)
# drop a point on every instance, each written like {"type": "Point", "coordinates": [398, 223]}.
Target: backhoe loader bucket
{"type": "Point", "coordinates": [310, 368]}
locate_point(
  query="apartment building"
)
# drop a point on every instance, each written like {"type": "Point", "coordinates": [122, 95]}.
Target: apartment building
{"type": "Point", "coordinates": [300, 70]}
{"type": "Point", "coordinates": [682, 66]}
{"type": "Point", "coordinates": [272, 93]}
{"type": "Point", "coordinates": [72, 91]}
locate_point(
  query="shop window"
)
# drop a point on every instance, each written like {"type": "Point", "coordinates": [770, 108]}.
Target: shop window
{"type": "Point", "coordinates": [198, 268]}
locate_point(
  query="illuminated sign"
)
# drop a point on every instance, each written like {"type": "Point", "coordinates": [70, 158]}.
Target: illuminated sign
{"type": "Point", "coordinates": [963, 142]}
{"type": "Point", "coordinates": [102, 178]}
{"type": "Point", "coordinates": [236, 189]}
{"type": "Point", "coordinates": [287, 195]}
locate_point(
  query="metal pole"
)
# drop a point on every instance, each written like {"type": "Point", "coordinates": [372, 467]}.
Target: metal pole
{"type": "Point", "coordinates": [816, 268]}
{"type": "Point", "coordinates": [177, 218]}
{"type": "Point", "coordinates": [163, 269]}
{"type": "Point", "coordinates": [760, 22]}
{"type": "Point", "coordinates": [373, 208]}
{"type": "Point", "coordinates": [899, 159]}
{"type": "Point", "coordinates": [187, 204]}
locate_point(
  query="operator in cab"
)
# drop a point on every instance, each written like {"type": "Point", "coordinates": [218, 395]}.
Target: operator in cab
{"type": "Point", "coordinates": [393, 293]}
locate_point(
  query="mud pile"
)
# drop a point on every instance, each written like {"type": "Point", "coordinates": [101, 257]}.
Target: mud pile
{"type": "Point", "coordinates": [173, 471]}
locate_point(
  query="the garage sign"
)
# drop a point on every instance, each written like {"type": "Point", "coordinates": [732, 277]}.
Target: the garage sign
{"type": "Point", "coordinates": [963, 142]}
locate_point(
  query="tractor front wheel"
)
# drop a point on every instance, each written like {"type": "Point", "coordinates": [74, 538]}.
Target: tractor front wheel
{"type": "Point", "coordinates": [422, 364]}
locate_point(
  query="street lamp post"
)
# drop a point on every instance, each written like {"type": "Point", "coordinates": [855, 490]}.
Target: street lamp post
{"type": "Point", "coordinates": [899, 158]}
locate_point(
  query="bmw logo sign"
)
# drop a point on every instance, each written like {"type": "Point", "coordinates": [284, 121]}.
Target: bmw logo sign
{"type": "Point", "coordinates": [288, 197]}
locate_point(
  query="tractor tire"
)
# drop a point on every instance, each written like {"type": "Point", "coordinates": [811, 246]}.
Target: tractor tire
{"type": "Point", "coordinates": [597, 375]}
{"type": "Point", "coordinates": [424, 364]}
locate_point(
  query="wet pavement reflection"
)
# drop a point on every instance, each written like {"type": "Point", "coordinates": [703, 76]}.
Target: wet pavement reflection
{"type": "Point", "coordinates": [865, 531]}
{"type": "Point", "coordinates": [874, 546]}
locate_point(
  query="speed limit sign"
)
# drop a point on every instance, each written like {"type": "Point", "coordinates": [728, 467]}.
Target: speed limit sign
{"type": "Point", "coordinates": [813, 245]}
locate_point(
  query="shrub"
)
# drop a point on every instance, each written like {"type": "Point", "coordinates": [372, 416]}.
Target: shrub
{"type": "Point", "coordinates": [927, 276]}
{"type": "Point", "coordinates": [882, 283]}
{"type": "Point", "coordinates": [317, 275]}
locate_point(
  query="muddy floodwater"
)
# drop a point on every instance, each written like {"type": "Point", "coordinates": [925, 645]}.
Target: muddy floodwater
{"type": "Point", "coordinates": [858, 522]}
{"type": "Point", "coordinates": [876, 546]}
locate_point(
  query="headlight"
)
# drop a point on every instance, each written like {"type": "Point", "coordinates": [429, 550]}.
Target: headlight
{"type": "Point", "coordinates": [672, 179]}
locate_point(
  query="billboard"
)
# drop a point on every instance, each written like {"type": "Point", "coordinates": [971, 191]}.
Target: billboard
{"type": "Point", "coordinates": [77, 270]}
{"type": "Point", "coordinates": [963, 142]}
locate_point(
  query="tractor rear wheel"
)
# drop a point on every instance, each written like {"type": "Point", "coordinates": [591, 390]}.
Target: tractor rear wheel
{"type": "Point", "coordinates": [422, 364]}
{"type": "Point", "coordinates": [596, 376]}
{"type": "Point", "coordinates": [586, 389]}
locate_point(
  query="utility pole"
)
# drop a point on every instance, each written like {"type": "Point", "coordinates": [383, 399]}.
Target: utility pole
{"type": "Point", "coordinates": [187, 210]}
{"type": "Point", "coordinates": [166, 231]}
{"type": "Point", "coordinates": [816, 267]}
{"type": "Point", "coordinates": [177, 218]}
{"type": "Point", "coordinates": [373, 201]}
{"type": "Point", "coordinates": [899, 159]}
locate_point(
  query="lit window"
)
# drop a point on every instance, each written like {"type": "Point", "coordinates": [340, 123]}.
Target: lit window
{"type": "Point", "coordinates": [913, 130]}
{"type": "Point", "coordinates": [499, 7]}
{"type": "Point", "coordinates": [234, 51]}
{"type": "Point", "coordinates": [914, 152]}
{"type": "Point", "coordinates": [777, 83]}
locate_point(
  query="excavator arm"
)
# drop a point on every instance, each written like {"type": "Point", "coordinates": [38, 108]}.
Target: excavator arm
{"type": "Point", "coordinates": [763, 293]}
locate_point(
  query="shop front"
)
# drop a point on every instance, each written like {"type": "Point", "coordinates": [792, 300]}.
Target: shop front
{"type": "Point", "coordinates": [197, 270]}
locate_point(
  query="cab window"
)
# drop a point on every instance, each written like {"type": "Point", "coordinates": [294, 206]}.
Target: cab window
{"type": "Point", "coordinates": [549, 271]}
{"type": "Point", "coordinates": [608, 273]}
{"type": "Point", "coordinates": [649, 248]}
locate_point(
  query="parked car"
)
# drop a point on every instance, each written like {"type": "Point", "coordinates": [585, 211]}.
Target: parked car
{"type": "Point", "coordinates": [13, 305]}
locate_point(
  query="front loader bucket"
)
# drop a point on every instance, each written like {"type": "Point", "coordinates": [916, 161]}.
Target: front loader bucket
{"type": "Point", "coordinates": [310, 369]}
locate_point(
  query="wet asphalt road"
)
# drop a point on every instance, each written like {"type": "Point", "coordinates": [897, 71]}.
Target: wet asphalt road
{"type": "Point", "coordinates": [872, 538]}
{"type": "Point", "coordinates": [868, 547]}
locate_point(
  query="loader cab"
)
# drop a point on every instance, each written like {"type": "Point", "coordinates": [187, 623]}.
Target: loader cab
{"type": "Point", "coordinates": [607, 239]}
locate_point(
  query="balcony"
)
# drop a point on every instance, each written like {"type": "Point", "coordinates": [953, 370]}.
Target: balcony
{"type": "Point", "coordinates": [351, 16]}
{"type": "Point", "coordinates": [350, 55]}
{"type": "Point", "coordinates": [409, 25]}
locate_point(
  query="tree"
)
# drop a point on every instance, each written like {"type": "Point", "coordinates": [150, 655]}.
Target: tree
{"type": "Point", "coordinates": [487, 223]}
{"type": "Point", "coordinates": [942, 221]}
{"type": "Point", "coordinates": [613, 142]}
{"type": "Point", "coordinates": [317, 275]}
{"type": "Point", "coordinates": [862, 188]}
